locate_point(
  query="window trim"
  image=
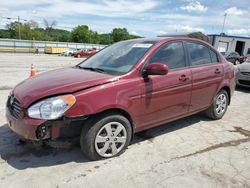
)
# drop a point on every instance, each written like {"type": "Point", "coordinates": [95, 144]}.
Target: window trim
{"type": "Point", "coordinates": [218, 57]}
{"type": "Point", "coordinates": [167, 43]}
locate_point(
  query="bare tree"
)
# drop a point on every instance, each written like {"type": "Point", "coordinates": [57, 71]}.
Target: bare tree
{"type": "Point", "coordinates": [49, 26]}
{"type": "Point", "coordinates": [33, 24]}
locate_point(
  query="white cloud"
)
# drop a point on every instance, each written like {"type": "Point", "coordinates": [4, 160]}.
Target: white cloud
{"type": "Point", "coordinates": [162, 32]}
{"type": "Point", "coordinates": [234, 11]}
{"type": "Point", "coordinates": [239, 31]}
{"type": "Point", "coordinates": [144, 17]}
{"type": "Point", "coordinates": [133, 33]}
{"type": "Point", "coordinates": [194, 6]}
{"type": "Point", "coordinates": [185, 28]}
{"type": "Point", "coordinates": [190, 28]}
{"type": "Point", "coordinates": [107, 8]}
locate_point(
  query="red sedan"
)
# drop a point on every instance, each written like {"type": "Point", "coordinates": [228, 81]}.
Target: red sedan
{"type": "Point", "coordinates": [127, 87]}
{"type": "Point", "coordinates": [85, 52]}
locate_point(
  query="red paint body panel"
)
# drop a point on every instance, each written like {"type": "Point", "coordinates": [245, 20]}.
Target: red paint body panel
{"type": "Point", "coordinates": [67, 80]}
{"type": "Point", "coordinates": [149, 102]}
{"type": "Point", "coordinates": [205, 84]}
{"type": "Point", "coordinates": [25, 127]}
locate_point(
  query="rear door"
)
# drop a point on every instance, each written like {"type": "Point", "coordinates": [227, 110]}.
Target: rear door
{"type": "Point", "coordinates": [167, 97]}
{"type": "Point", "coordinates": [207, 72]}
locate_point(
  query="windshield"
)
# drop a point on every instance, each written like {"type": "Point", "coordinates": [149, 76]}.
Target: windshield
{"type": "Point", "coordinates": [118, 58]}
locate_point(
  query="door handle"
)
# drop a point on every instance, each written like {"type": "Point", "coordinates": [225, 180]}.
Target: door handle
{"type": "Point", "coordinates": [217, 71]}
{"type": "Point", "coordinates": [183, 78]}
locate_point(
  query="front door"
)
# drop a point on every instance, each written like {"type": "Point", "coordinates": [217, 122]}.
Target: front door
{"type": "Point", "coordinates": [166, 97]}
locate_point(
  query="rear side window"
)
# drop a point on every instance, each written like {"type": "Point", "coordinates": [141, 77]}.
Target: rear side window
{"type": "Point", "coordinates": [199, 54]}
{"type": "Point", "coordinates": [171, 54]}
{"type": "Point", "coordinates": [214, 57]}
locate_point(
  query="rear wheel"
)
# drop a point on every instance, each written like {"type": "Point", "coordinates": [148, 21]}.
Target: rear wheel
{"type": "Point", "coordinates": [219, 106]}
{"type": "Point", "coordinates": [106, 136]}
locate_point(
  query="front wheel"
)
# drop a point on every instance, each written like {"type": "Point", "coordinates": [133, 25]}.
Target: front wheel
{"type": "Point", "coordinates": [219, 106]}
{"type": "Point", "coordinates": [106, 136]}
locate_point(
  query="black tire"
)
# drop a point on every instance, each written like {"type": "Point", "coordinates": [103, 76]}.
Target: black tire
{"type": "Point", "coordinates": [92, 128]}
{"type": "Point", "coordinates": [211, 112]}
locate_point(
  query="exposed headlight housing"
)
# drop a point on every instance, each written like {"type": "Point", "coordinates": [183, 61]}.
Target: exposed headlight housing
{"type": "Point", "coordinates": [51, 108]}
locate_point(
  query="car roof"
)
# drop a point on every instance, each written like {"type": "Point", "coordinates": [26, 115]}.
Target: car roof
{"type": "Point", "coordinates": [165, 39]}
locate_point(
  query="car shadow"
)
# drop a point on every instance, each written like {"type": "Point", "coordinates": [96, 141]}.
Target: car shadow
{"type": "Point", "coordinates": [151, 133]}
{"type": "Point", "coordinates": [26, 155]}
{"type": "Point", "coordinates": [242, 89]}
{"type": "Point", "coordinates": [22, 156]}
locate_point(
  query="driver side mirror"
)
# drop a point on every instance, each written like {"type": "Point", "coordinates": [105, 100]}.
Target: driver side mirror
{"type": "Point", "coordinates": [155, 69]}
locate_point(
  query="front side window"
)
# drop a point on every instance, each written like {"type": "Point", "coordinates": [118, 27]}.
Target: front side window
{"type": "Point", "coordinates": [199, 54]}
{"type": "Point", "coordinates": [171, 54]}
{"type": "Point", "coordinates": [118, 58]}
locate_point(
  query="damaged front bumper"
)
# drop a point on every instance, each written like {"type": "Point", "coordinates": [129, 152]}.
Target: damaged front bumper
{"type": "Point", "coordinates": [37, 130]}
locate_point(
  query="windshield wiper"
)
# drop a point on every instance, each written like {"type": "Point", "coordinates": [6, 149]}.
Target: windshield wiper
{"type": "Point", "coordinates": [92, 69]}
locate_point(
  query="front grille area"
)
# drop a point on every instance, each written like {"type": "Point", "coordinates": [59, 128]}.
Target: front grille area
{"type": "Point", "coordinates": [14, 107]}
{"type": "Point", "coordinates": [244, 82]}
{"type": "Point", "coordinates": [246, 73]}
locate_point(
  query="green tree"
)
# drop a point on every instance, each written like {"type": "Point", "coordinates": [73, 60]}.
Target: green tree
{"type": "Point", "coordinates": [4, 33]}
{"type": "Point", "coordinates": [13, 29]}
{"type": "Point", "coordinates": [80, 34]}
{"type": "Point", "coordinates": [40, 34]}
{"type": "Point", "coordinates": [119, 34]}
{"type": "Point", "coordinates": [31, 30]}
{"type": "Point", "coordinates": [106, 39]}
{"type": "Point", "coordinates": [94, 37]}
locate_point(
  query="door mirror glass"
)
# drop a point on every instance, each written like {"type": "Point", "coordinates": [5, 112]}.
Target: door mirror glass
{"type": "Point", "coordinates": [156, 69]}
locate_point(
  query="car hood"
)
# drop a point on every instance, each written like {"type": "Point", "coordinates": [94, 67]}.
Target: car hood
{"type": "Point", "coordinates": [60, 81]}
{"type": "Point", "coordinates": [244, 67]}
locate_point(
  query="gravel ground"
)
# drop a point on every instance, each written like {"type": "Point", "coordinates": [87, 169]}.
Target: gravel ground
{"type": "Point", "coordinates": [191, 152]}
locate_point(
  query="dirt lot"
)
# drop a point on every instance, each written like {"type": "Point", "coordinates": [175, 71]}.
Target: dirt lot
{"type": "Point", "coordinates": [191, 152]}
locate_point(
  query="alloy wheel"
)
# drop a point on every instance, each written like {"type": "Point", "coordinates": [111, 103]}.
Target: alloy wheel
{"type": "Point", "coordinates": [110, 139]}
{"type": "Point", "coordinates": [221, 104]}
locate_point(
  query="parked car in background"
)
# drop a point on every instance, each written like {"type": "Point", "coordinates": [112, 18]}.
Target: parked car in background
{"type": "Point", "coordinates": [233, 57]}
{"type": "Point", "coordinates": [85, 52]}
{"type": "Point", "coordinates": [69, 52]}
{"type": "Point", "coordinates": [125, 88]}
{"type": "Point", "coordinates": [66, 53]}
{"type": "Point", "coordinates": [243, 58]}
{"type": "Point", "coordinates": [243, 74]}
{"type": "Point", "coordinates": [247, 58]}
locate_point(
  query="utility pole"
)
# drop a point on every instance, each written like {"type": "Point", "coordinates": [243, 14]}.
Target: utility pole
{"type": "Point", "coordinates": [224, 21]}
{"type": "Point", "coordinates": [19, 29]}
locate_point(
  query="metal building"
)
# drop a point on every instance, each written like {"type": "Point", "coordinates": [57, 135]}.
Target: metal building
{"type": "Point", "coordinates": [230, 43]}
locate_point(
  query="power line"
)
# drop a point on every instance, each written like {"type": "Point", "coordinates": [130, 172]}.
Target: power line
{"type": "Point", "coordinates": [21, 19]}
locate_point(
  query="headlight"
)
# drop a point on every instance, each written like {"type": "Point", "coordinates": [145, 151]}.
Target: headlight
{"type": "Point", "coordinates": [51, 108]}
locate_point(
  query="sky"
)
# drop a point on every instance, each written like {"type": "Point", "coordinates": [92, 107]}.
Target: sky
{"type": "Point", "coordinates": [146, 18]}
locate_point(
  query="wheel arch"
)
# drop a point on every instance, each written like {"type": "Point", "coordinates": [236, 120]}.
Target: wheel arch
{"type": "Point", "coordinates": [122, 112]}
